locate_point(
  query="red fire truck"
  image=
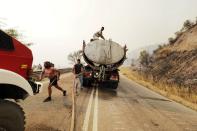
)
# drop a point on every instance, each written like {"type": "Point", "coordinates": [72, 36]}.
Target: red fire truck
{"type": "Point", "coordinates": [15, 70]}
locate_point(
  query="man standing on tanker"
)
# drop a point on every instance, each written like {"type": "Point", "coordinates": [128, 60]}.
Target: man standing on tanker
{"type": "Point", "coordinates": [53, 75]}
{"type": "Point", "coordinates": [99, 34]}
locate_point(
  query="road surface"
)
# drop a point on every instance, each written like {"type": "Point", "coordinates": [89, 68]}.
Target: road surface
{"type": "Point", "coordinates": [50, 116]}
{"type": "Point", "coordinates": [131, 108]}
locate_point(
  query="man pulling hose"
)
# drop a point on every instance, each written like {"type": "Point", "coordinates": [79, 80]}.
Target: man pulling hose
{"type": "Point", "coordinates": [53, 75]}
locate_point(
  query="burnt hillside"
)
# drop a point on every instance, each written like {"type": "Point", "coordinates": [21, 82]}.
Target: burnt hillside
{"type": "Point", "coordinates": [176, 63]}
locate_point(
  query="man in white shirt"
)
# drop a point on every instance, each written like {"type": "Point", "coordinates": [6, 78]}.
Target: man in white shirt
{"type": "Point", "coordinates": [99, 34]}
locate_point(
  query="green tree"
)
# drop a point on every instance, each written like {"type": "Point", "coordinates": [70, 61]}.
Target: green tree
{"type": "Point", "coordinates": [188, 24]}
{"type": "Point", "coordinates": [13, 32]}
{"type": "Point", "coordinates": [171, 40]}
{"type": "Point", "coordinates": [144, 58]}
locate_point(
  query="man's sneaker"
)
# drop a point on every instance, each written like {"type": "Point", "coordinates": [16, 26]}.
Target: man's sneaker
{"type": "Point", "coordinates": [47, 99]}
{"type": "Point", "coordinates": [64, 93]}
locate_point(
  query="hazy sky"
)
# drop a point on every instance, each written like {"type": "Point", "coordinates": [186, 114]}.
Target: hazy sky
{"type": "Point", "coordinates": [57, 27]}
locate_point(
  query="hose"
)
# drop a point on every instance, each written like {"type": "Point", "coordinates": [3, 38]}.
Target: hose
{"type": "Point", "coordinates": [101, 75]}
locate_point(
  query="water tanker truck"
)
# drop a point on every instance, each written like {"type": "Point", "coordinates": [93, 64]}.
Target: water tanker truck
{"type": "Point", "coordinates": [103, 57]}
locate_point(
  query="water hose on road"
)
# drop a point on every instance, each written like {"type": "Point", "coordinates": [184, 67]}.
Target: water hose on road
{"type": "Point", "coordinates": [72, 127]}
{"type": "Point", "coordinates": [101, 75]}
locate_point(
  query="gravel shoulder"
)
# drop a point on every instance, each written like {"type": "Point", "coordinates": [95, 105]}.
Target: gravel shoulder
{"type": "Point", "coordinates": [54, 115]}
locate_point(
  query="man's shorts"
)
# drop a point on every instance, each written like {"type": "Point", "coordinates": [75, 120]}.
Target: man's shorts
{"type": "Point", "coordinates": [53, 81]}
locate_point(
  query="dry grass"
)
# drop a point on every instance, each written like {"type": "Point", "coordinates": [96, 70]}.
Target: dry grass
{"type": "Point", "coordinates": [178, 94]}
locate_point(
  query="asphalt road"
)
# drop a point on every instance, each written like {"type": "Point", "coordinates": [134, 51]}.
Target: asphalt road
{"type": "Point", "coordinates": [50, 116]}
{"type": "Point", "coordinates": [131, 108]}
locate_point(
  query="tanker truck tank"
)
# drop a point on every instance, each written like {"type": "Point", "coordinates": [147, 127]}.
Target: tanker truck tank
{"type": "Point", "coordinates": [103, 57]}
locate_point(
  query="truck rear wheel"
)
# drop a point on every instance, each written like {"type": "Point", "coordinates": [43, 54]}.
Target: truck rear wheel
{"type": "Point", "coordinates": [11, 116]}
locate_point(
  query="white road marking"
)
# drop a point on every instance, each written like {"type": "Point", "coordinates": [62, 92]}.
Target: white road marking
{"type": "Point", "coordinates": [95, 117]}
{"type": "Point", "coordinates": [87, 115]}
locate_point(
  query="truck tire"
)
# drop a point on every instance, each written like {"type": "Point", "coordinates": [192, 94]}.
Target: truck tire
{"type": "Point", "coordinates": [11, 116]}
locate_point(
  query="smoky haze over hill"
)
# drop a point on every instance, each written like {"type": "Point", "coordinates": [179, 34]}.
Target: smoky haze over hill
{"type": "Point", "coordinates": [134, 54]}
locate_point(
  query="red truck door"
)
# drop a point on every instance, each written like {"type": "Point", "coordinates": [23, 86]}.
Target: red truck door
{"type": "Point", "coordinates": [14, 56]}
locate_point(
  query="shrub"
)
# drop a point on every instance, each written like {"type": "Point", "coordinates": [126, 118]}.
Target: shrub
{"type": "Point", "coordinates": [188, 24]}
{"type": "Point", "coordinates": [144, 58]}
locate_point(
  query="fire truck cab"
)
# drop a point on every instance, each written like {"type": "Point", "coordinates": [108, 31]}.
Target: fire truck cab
{"type": "Point", "coordinates": [15, 71]}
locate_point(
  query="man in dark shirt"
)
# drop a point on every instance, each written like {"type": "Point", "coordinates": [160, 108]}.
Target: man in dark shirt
{"type": "Point", "coordinates": [78, 72]}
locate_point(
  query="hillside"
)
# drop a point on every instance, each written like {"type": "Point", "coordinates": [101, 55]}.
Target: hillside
{"type": "Point", "coordinates": [186, 42]}
{"type": "Point", "coordinates": [176, 63]}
